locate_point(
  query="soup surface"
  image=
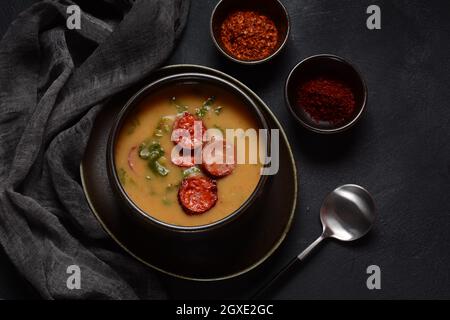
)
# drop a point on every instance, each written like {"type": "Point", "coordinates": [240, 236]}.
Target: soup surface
{"type": "Point", "coordinates": [154, 187]}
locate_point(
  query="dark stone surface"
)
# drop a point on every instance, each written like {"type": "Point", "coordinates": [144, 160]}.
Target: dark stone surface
{"type": "Point", "coordinates": [400, 150]}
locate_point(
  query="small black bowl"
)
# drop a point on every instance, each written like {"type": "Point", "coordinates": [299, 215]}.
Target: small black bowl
{"type": "Point", "coordinates": [127, 204]}
{"type": "Point", "coordinates": [274, 9]}
{"type": "Point", "coordinates": [329, 66]}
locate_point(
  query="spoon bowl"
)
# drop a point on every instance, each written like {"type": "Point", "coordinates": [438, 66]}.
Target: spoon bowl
{"type": "Point", "coordinates": [347, 213]}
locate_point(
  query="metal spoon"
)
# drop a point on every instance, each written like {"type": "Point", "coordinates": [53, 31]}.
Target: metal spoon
{"type": "Point", "coordinates": [347, 214]}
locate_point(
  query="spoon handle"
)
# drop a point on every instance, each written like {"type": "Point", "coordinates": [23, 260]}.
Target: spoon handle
{"type": "Point", "coordinates": [310, 248]}
{"type": "Point", "coordinates": [288, 268]}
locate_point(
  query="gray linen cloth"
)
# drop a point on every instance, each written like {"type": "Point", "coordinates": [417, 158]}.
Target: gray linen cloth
{"type": "Point", "coordinates": [53, 83]}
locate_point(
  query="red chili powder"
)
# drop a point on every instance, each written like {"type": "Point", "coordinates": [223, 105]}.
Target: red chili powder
{"type": "Point", "coordinates": [249, 35]}
{"type": "Point", "coordinates": [326, 99]}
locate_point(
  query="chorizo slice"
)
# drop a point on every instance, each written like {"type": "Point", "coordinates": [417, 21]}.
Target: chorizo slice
{"type": "Point", "coordinates": [183, 161]}
{"type": "Point", "coordinates": [214, 158]}
{"type": "Point", "coordinates": [197, 194]}
{"type": "Point", "coordinates": [187, 122]}
{"type": "Point", "coordinates": [132, 155]}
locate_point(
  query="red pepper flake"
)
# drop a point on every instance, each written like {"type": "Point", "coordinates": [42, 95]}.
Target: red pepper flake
{"type": "Point", "coordinates": [328, 100]}
{"type": "Point", "coordinates": [249, 35]}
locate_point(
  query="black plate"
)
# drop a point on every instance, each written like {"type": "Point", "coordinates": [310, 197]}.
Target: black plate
{"type": "Point", "coordinates": [226, 255]}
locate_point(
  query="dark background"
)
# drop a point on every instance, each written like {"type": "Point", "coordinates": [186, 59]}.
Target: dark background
{"type": "Point", "coordinates": [400, 150]}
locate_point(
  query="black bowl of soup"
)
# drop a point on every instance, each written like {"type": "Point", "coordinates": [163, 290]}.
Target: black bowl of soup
{"type": "Point", "coordinates": [181, 154]}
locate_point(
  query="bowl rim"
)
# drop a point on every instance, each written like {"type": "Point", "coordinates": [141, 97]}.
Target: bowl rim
{"type": "Point", "coordinates": [342, 128]}
{"type": "Point", "coordinates": [134, 102]}
{"type": "Point", "coordinates": [250, 62]}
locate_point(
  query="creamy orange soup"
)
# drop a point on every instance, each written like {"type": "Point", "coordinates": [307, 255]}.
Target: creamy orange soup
{"type": "Point", "coordinates": [157, 195]}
